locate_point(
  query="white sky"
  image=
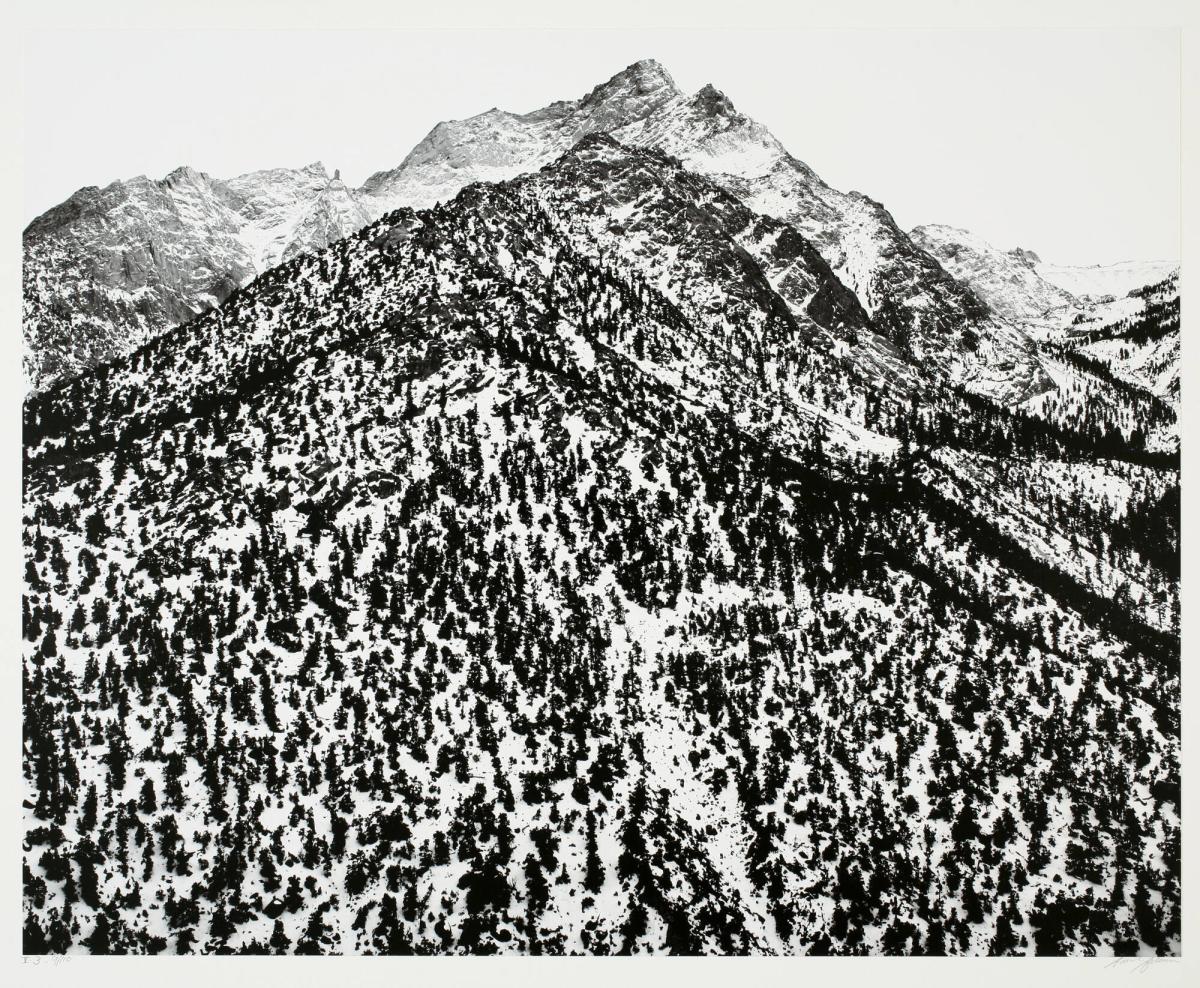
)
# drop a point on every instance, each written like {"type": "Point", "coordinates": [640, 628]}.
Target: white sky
{"type": "Point", "coordinates": [1066, 142]}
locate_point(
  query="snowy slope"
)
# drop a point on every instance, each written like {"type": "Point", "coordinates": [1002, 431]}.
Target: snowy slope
{"type": "Point", "coordinates": [293, 211]}
{"type": "Point", "coordinates": [1113, 359]}
{"type": "Point", "coordinates": [111, 268]}
{"type": "Point", "coordinates": [416, 600]}
{"type": "Point", "coordinates": [1135, 338]}
{"type": "Point", "coordinates": [1008, 281]}
{"type": "Point", "coordinates": [1099, 281]}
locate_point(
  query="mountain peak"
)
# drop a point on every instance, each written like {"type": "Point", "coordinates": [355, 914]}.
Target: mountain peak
{"type": "Point", "coordinates": [597, 139]}
{"type": "Point", "coordinates": [184, 173]}
{"type": "Point", "coordinates": [941, 229]}
{"type": "Point", "coordinates": [644, 78]}
{"type": "Point", "coordinates": [647, 74]}
{"type": "Point", "coordinates": [713, 101]}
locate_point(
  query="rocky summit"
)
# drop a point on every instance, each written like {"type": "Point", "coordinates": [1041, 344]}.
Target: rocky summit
{"type": "Point", "coordinates": [217, 235]}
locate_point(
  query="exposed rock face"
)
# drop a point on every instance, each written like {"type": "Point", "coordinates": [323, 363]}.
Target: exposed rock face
{"type": "Point", "coordinates": [1007, 280]}
{"type": "Point", "coordinates": [216, 235]}
{"type": "Point", "coordinates": [293, 211]}
{"type": "Point", "coordinates": [917, 305]}
{"type": "Point", "coordinates": [111, 268]}
{"type": "Point", "coordinates": [498, 145]}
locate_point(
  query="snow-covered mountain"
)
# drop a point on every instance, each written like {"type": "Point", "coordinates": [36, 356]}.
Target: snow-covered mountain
{"type": "Point", "coordinates": [292, 211]}
{"type": "Point", "coordinates": [1135, 338]}
{"type": "Point", "coordinates": [578, 567]}
{"type": "Point", "coordinates": [498, 145]}
{"type": "Point", "coordinates": [921, 310]}
{"type": "Point", "coordinates": [111, 268]}
{"type": "Point", "coordinates": [1010, 281]}
{"type": "Point", "coordinates": [908, 295]}
{"type": "Point", "coordinates": [1115, 341]}
{"type": "Point", "coordinates": [1100, 281]}
{"type": "Point", "coordinates": [595, 535]}
{"type": "Point", "coordinates": [1023, 288]}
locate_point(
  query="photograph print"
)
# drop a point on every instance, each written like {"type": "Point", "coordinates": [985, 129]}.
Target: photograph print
{"type": "Point", "coordinates": [693, 499]}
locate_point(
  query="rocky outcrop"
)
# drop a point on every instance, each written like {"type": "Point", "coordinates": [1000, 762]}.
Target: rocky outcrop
{"type": "Point", "coordinates": [1007, 280]}
{"type": "Point", "coordinates": [111, 268]}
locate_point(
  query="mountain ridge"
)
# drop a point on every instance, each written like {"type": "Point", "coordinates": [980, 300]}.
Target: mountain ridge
{"type": "Point", "coordinates": [1130, 339]}
{"type": "Point", "coordinates": [111, 267]}
{"type": "Point", "coordinates": [493, 580]}
{"type": "Point", "coordinates": [901, 286]}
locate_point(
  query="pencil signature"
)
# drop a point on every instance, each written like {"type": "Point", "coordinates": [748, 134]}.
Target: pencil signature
{"type": "Point", "coordinates": [1138, 965]}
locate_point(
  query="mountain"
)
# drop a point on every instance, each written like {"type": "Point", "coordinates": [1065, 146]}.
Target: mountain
{"type": "Point", "coordinates": [541, 572]}
{"type": "Point", "coordinates": [1010, 282]}
{"type": "Point", "coordinates": [111, 268]}
{"type": "Point", "coordinates": [1115, 360]}
{"type": "Point", "coordinates": [686, 235]}
{"type": "Point", "coordinates": [1134, 339]}
{"type": "Point", "coordinates": [499, 145]}
{"type": "Point", "coordinates": [1022, 288]}
{"type": "Point", "coordinates": [914, 301]}
{"type": "Point", "coordinates": [292, 211]}
{"type": "Point", "coordinates": [921, 310]}
{"type": "Point", "coordinates": [1100, 281]}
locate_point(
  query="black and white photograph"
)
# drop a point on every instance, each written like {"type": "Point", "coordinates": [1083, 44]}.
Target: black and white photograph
{"type": "Point", "coordinates": [589, 492]}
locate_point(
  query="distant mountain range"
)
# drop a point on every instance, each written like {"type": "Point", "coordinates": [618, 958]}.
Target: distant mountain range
{"type": "Point", "coordinates": [1129, 311]}
{"type": "Point", "coordinates": [111, 268]}
{"type": "Point", "coordinates": [1101, 281]}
